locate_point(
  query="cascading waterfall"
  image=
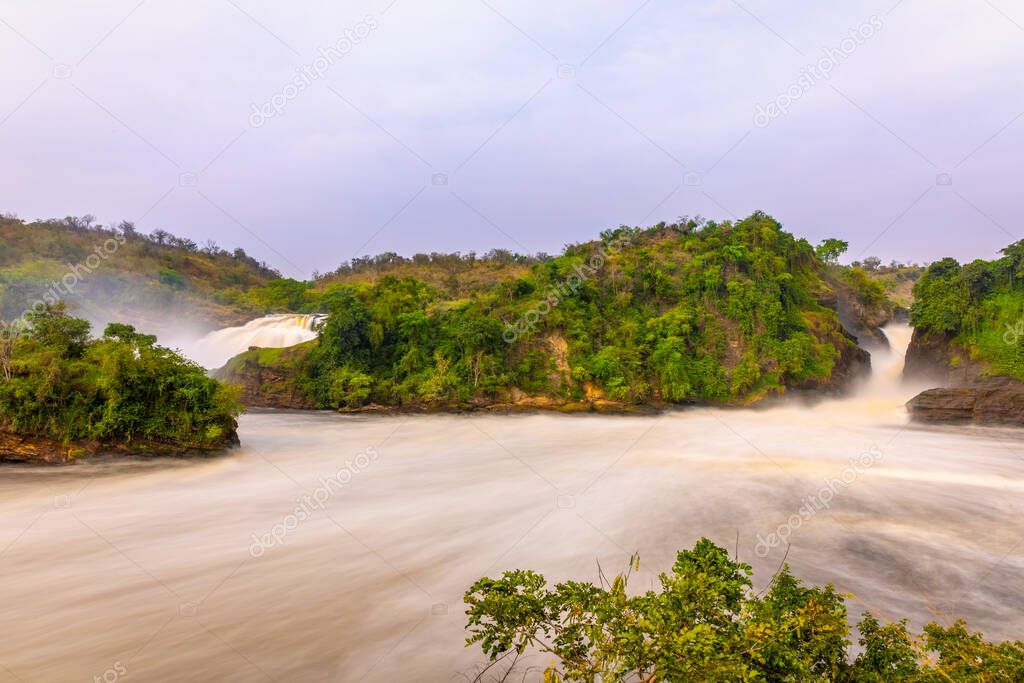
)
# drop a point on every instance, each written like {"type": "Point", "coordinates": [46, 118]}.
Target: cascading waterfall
{"type": "Point", "coordinates": [887, 364]}
{"type": "Point", "coordinates": [272, 331]}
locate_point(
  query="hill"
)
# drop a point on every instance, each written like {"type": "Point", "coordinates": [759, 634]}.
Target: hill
{"type": "Point", "coordinates": [685, 312]}
{"type": "Point", "coordinates": [106, 273]}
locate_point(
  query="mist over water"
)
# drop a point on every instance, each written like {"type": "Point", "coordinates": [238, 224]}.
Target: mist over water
{"type": "Point", "coordinates": [150, 563]}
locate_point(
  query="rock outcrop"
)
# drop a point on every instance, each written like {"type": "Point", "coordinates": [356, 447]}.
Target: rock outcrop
{"type": "Point", "coordinates": [268, 378]}
{"type": "Point", "coordinates": [966, 391]}
{"type": "Point", "coordinates": [937, 358]}
{"type": "Point", "coordinates": [988, 401]}
{"type": "Point", "coordinates": [32, 448]}
{"type": "Point", "coordinates": [864, 322]}
{"type": "Point", "coordinates": [22, 448]}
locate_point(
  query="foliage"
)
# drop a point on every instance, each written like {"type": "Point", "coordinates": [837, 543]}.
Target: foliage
{"type": "Point", "coordinates": [692, 311]}
{"type": "Point", "coordinates": [121, 389]}
{"type": "Point", "coordinates": [120, 268]}
{"type": "Point", "coordinates": [831, 249]}
{"type": "Point", "coordinates": [979, 305]}
{"type": "Point", "coordinates": [868, 290]}
{"type": "Point", "coordinates": [705, 623]}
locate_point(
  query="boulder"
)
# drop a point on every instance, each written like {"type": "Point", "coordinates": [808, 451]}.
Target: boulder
{"type": "Point", "coordinates": [988, 401]}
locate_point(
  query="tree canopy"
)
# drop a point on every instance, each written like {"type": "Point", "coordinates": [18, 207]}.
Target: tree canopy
{"type": "Point", "coordinates": [705, 622]}
{"type": "Point", "coordinates": [121, 389]}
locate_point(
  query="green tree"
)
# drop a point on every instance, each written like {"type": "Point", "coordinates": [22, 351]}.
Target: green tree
{"type": "Point", "coordinates": [831, 249]}
{"type": "Point", "coordinates": [51, 326]}
{"type": "Point", "coordinates": [705, 623]}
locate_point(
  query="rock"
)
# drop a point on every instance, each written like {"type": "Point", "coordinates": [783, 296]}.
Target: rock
{"type": "Point", "coordinates": [22, 448]}
{"type": "Point", "coordinates": [936, 358]}
{"type": "Point", "coordinates": [968, 393]}
{"type": "Point", "coordinates": [989, 401]}
{"type": "Point", "coordinates": [853, 364]}
{"type": "Point", "coordinates": [44, 450]}
{"type": "Point", "coordinates": [267, 378]}
{"type": "Point", "coordinates": [863, 322]}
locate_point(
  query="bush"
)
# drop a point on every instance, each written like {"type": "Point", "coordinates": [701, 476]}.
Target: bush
{"type": "Point", "coordinates": [120, 389]}
{"type": "Point", "coordinates": [705, 623]}
{"type": "Point", "coordinates": [715, 312]}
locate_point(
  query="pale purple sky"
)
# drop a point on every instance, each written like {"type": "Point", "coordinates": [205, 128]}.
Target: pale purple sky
{"type": "Point", "coordinates": [551, 121]}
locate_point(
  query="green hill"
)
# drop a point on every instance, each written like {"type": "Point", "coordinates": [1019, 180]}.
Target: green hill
{"type": "Point", "coordinates": [691, 311]}
{"type": "Point", "coordinates": [109, 273]}
{"type": "Point", "coordinates": [972, 314]}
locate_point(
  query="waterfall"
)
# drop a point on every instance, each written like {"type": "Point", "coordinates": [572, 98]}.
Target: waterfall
{"type": "Point", "coordinates": [886, 380]}
{"type": "Point", "coordinates": [272, 331]}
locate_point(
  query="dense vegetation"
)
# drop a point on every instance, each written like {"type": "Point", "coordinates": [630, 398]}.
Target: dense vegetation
{"type": "Point", "coordinates": [127, 273]}
{"type": "Point", "coordinates": [684, 312]}
{"type": "Point", "coordinates": [119, 390]}
{"type": "Point", "coordinates": [123, 273]}
{"type": "Point", "coordinates": [980, 306]}
{"type": "Point", "coordinates": [707, 624]}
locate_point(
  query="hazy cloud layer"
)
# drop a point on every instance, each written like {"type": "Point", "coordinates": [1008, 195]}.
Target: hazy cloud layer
{"type": "Point", "coordinates": [311, 132]}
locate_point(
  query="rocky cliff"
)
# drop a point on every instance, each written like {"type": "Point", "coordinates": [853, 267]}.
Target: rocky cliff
{"type": "Point", "coordinates": [268, 378]}
{"type": "Point", "coordinates": [967, 391]}
{"type": "Point", "coordinates": [862, 320]}
{"type": "Point", "coordinates": [988, 401]}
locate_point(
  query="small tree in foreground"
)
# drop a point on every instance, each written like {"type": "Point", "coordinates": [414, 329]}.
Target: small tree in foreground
{"type": "Point", "coordinates": [707, 624]}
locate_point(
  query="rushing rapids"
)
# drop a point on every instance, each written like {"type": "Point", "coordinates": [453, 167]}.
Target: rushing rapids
{"type": "Point", "coordinates": [272, 331]}
{"type": "Point", "coordinates": [337, 548]}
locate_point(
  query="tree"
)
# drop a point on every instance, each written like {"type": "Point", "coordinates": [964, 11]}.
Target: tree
{"type": "Point", "coordinates": [1014, 259]}
{"type": "Point", "coordinates": [127, 334]}
{"type": "Point", "coordinates": [831, 249]}
{"type": "Point", "coordinates": [127, 229]}
{"type": "Point", "coordinates": [121, 389]}
{"type": "Point", "coordinates": [871, 263]}
{"type": "Point", "coordinates": [52, 327]}
{"type": "Point", "coordinates": [705, 623]}
{"type": "Point", "coordinates": [8, 335]}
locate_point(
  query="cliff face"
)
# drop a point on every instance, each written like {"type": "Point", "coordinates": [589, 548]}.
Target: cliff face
{"type": "Point", "coordinates": [989, 401]}
{"type": "Point", "coordinates": [937, 358]}
{"type": "Point", "coordinates": [864, 322]}
{"type": "Point", "coordinates": [268, 378]}
{"type": "Point", "coordinates": [968, 393]}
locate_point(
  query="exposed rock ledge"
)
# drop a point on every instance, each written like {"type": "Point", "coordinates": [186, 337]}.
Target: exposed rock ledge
{"type": "Point", "coordinates": [968, 394]}
{"type": "Point", "coordinates": [41, 449]}
{"type": "Point", "coordinates": [989, 401]}
{"type": "Point", "coordinates": [36, 449]}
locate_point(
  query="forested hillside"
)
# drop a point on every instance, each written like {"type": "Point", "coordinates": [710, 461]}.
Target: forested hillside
{"type": "Point", "coordinates": [976, 309]}
{"type": "Point", "coordinates": [690, 311]}
{"type": "Point", "coordinates": [118, 270]}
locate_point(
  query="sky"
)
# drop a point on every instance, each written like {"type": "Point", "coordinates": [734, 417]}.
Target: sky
{"type": "Point", "coordinates": [313, 131]}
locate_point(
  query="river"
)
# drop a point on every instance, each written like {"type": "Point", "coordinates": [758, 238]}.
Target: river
{"type": "Point", "coordinates": [337, 548]}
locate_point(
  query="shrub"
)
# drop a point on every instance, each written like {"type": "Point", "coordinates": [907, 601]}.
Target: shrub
{"type": "Point", "coordinates": [705, 623]}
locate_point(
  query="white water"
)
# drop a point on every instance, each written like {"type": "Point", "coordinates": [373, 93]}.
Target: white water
{"type": "Point", "coordinates": [147, 563]}
{"type": "Point", "coordinates": [272, 331]}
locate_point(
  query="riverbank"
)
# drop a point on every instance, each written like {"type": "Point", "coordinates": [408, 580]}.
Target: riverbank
{"type": "Point", "coordinates": [40, 449]}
